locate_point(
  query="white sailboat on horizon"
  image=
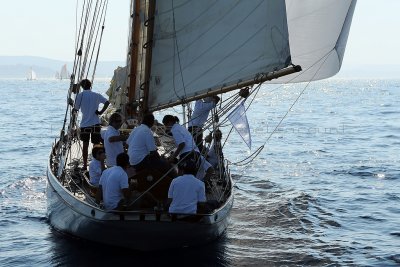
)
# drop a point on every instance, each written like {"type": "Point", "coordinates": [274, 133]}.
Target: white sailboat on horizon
{"type": "Point", "coordinates": [31, 75]}
{"type": "Point", "coordinates": [64, 74]}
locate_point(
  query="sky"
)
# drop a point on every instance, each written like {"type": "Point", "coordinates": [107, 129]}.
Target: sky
{"type": "Point", "coordinates": [46, 28]}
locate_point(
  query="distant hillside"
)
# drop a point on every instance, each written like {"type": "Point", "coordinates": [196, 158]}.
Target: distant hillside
{"type": "Point", "coordinates": [18, 67]}
{"type": "Point", "coordinates": [370, 71]}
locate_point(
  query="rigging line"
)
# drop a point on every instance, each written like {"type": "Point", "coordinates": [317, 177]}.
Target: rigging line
{"type": "Point", "coordinates": [256, 153]}
{"type": "Point", "coordinates": [210, 122]}
{"type": "Point", "coordinates": [140, 73]}
{"type": "Point", "coordinates": [179, 58]}
{"type": "Point", "coordinates": [226, 109]}
{"type": "Point", "coordinates": [81, 48]}
{"type": "Point", "coordinates": [256, 90]}
{"type": "Point", "coordinates": [86, 21]}
{"type": "Point", "coordinates": [77, 35]}
{"type": "Point", "coordinates": [233, 99]}
{"type": "Point", "coordinates": [102, 17]}
{"type": "Point", "coordinates": [324, 57]}
{"type": "Point", "coordinates": [188, 2]}
{"type": "Point", "coordinates": [93, 45]}
{"type": "Point", "coordinates": [159, 180]}
{"type": "Point", "coordinates": [90, 37]}
{"type": "Point", "coordinates": [78, 62]}
{"type": "Point", "coordinates": [92, 24]}
{"type": "Point", "coordinates": [74, 66]}
{"type": "Point", "coordinates": [234, 96]}
{"type": "Point", "coordinates": [101, 38]}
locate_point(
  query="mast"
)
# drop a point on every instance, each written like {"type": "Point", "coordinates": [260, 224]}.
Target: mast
{"type": "Point", "coordinates": [133, 52]}
{"type": "Point", "coordinates": [149, 23]}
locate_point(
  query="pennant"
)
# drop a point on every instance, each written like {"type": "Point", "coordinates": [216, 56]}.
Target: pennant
{"type": "Point", "coordinates": [238, 119]}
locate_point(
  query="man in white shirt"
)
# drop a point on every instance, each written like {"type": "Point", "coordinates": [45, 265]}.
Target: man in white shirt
{"type": "Point", "coordinates": [142, 149]}
{"type": "Point", "coordinates": [114, 185]}
{"type": "Point", "coordinates": [201, 110]}
{"type": "Point", "coordinates": [96, 166]}
{"type": "Point", "coordinates": [113, 140]}
{"type": "Point", "coordinates": [186, 148]}
{"type": "Point", "coordinates": [88, 102]}
{"type": "Point", "coordinates": [186, 191]}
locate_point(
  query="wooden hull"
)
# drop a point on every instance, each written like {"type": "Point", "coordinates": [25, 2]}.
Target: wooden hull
{"type": "Point", "coordinates": [135, 230]}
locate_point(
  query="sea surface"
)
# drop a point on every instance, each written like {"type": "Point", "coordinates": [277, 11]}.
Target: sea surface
{"type": "Point", "coordinates": [324, 191]}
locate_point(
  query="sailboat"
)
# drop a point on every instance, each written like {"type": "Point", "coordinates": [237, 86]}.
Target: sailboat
{"type": "Point", "coordinates": [31, 75]}
{"type": "Point", "coordinates": [179, 52]}
{"type": "Point", "coordinates": [64, 74]}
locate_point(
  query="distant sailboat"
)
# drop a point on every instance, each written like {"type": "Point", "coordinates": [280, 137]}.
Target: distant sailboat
{"type": "Point", "coordinates": [64, 74]}
{"type": "Point", "coordinates": [31, 75]}
{"type": "Point", "coordinates": [57, 75]}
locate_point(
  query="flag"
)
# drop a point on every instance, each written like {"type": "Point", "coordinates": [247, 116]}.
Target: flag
{"type": "Point", "coordinates": [238, 119]}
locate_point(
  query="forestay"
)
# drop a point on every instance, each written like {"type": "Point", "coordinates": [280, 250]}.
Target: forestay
{"type": "Point", "coordinates": [200, 46]}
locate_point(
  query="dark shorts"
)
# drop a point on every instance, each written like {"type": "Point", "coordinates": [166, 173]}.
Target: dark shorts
{"type": "Point", "coordinates": [153, 162]}
{"type": "Point", "coordinates": [91, 133]}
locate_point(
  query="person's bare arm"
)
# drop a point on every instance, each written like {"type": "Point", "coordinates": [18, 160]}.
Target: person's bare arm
{"type": "Point", "coordinates": [177, 151]}
{"type": "Point", "coordinates": [105, 106]}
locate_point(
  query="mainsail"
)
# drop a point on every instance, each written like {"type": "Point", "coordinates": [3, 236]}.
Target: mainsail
{"type": "Point", "coordinates": [200, 46]}
{"type": "Point", "coordinates": [189, 49]}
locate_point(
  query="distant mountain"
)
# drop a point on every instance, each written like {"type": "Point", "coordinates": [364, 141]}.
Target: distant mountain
{"type": "Point", "coordinates": [18, 67]}
{"type": "Point", "coordinates": [370, 71]}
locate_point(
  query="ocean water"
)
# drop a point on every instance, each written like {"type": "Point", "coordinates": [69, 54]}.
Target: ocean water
{"type": "Point", "coordinates": [324, 191]}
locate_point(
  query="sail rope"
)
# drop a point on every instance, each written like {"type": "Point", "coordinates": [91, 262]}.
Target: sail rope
{"type": "Point", "coordinates": [179, 58]}
{"type": "Point", "coordinates": [85, 46]}
{"type": "Point", "coordinates": [104, 11]}
{"type": "Point", "coordinates": [251, 157]}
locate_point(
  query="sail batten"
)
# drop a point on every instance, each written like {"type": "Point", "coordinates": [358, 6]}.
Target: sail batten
{"type": "Point", "coordinates": [196, 48]}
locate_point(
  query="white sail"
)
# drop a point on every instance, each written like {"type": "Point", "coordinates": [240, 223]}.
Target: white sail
{"type": "Point", "coordinates": [64, 74]}
{"type": "Point", "coordinates": [31, 75]}
{"type": "Point", "coordinates": [200, 46]}
{"type": "Point", "coordinates": [318, 31]}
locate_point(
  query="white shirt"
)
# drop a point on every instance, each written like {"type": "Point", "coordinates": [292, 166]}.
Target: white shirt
{"type": "Point", "coordinates": [95, 171]}
{"type": "Point", "coordinates": [212, 156]}
{"type": "Point", "coordinates": [141, 142]}
{"type": "Point", "coordinates": [113, 149]}
{"type": "Point", "coordinates": [182, 135]}
{"type": "Point", "coordinates": [200, 112]}
{"type": "Point", "coordinates": [88, 102]}
{"type": "Point", "coordinates": [113, 180]}
{"type": "Point", "coordinates": [186, 191]}
{"type": "Point", "coordinates": [204, 166]}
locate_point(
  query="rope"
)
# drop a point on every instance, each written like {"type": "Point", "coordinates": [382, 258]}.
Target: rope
{"type": "Point", "coordinates": [179, 58]}
{"type": "Point", "coordinates": [258, 151]}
